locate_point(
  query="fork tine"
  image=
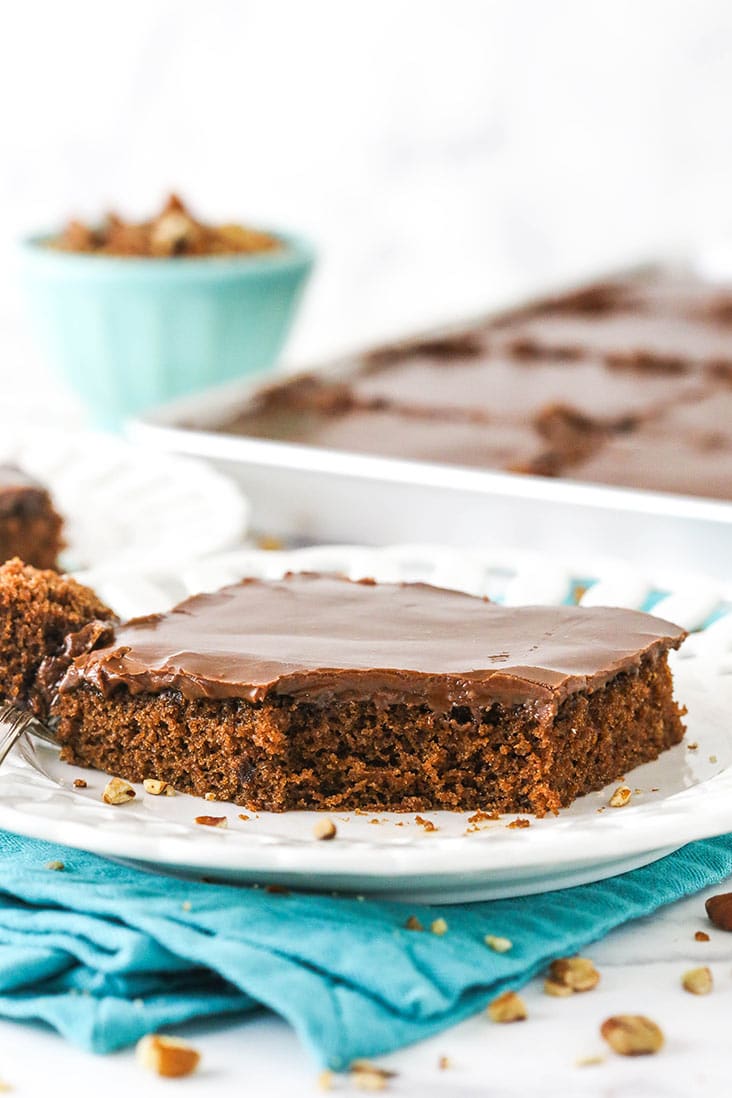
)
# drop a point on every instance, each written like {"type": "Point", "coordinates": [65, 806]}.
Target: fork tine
{"type": "Point", "coordinates": [13, 723]}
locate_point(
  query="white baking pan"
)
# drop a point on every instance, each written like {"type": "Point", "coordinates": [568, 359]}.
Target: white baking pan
{"type": "Point", "coordinates": [308, 493]}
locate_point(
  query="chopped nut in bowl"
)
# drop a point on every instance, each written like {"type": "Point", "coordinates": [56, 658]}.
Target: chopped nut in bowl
{"type": "Point", "coordinates": [174, 232]}
{"type": "Point", "coordinates": [136, 313]}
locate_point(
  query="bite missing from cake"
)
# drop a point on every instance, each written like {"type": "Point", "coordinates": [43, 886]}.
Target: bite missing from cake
{"type": "Point", "coordinates": [316, 692]}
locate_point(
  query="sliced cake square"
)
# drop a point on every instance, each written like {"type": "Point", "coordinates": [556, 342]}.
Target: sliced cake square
{"type": "Point", "coordinates": [317, 692]}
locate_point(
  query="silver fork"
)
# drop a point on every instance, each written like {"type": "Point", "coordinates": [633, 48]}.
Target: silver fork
{"type": "Point", "coordinates": [16, 722]}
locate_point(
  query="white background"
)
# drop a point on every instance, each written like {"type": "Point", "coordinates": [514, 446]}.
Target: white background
{"type": "Point", "coordinates": [443, 154]}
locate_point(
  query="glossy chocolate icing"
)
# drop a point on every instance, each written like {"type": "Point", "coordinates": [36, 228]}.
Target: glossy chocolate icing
{"type": "Point", "coordinates": [315, 637]}
{"type": "Point", "coordinates": [643, 365]}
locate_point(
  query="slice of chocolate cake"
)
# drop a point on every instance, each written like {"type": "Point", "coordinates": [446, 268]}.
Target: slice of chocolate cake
{"type": "Point", "coordinates": [30, 528]}
{"type": "Point", "coordinates": [316, 692]}
{"type": "Point", "coordinates": [43, 616]}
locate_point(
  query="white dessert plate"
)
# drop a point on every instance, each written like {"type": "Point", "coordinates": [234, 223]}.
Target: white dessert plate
{"type": "Point", "coordinates": [124, 507]}
{"type": "Point", "coordinates": [684, 795]}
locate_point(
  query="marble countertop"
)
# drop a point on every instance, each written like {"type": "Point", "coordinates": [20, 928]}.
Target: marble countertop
{"type": "Point", "coordinates": [641, 968]}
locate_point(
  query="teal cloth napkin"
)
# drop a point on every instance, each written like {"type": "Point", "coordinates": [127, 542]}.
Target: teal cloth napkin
{"type": "Point", "coordinates": [106, 953]}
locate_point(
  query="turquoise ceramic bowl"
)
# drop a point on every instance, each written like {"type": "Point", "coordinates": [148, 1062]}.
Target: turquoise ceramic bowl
{"type": "Point", "coordinates": [130, 333]}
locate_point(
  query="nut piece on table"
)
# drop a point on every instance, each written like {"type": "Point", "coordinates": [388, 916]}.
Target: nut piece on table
{"type": "Point", "coordinates": [719, 910]}
{"type": "Point", "coordinates": [368, 1076]}
{"type": "Point", "coordinates": [156, 788]}
{"type": "Point", "coordinates": [508, 1007]}
{"type": "Point", "coordinates": [324, 829]}
{"type": "Point", "coordinates": [570, 974]}
{"type": "Point", "coordinates": [166, 1055]}
{"type": "Point", "coordinates": [698, 981]}
{"type": "Point", "coordinates": [117, 791]}
{"type": "Point", "coordinates": [559, 991]}
{"type": "Point", "coordinates": [589, 1061]}
{"type": "Point", "coordinates": [632, 1035]}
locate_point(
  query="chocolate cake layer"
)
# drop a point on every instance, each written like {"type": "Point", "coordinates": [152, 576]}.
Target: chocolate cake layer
{"type": "Point", "coordinates": [593, 385]}
{"type": "Point", "coordinates": [314, 692]}
{"type": "Point", "coordinates": [30, 528]}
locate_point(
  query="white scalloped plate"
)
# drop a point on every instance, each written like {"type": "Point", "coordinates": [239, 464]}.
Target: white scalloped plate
{"type": "Point", "coordinates": [122, 505]}
{"type": "Point", "coordinates": [684, 795]}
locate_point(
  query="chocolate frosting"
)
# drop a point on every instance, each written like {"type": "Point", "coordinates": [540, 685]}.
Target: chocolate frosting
{"type": "Point", "coordinates": [315, 637]}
